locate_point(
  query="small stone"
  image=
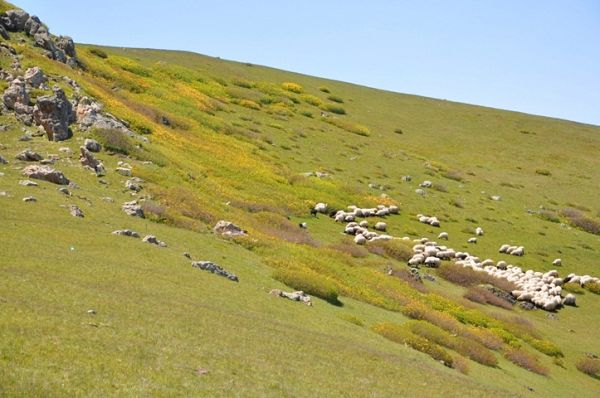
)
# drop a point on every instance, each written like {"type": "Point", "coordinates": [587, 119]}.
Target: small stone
{"type": "Point", "coordinates": [133, 209]}
{"type": "Point", "coordinates": [92, 145]}
{"type": "Point", "coordinates": [91, 312]}
{"type": "Point", "coordinates": [227, 228]}
{"type": "Point", "coordinates": [64, 190]}
{"type": "Point", "coordinates": [29, 199]}
{"type": "Point", "coordinates": [126, 232]}
{"type": "Point", "coordinates": [28, 183]}
{"type": "Point", "coordinates": [3, 160]}
{"type": "Point", "coordinates": [45, 173]}
{"type": "Point", "coordinates": [152, 239]}
{"type": "Point", "coordinates": [123, 171]}
{"type": "Point", "coordinates": [75, 211]}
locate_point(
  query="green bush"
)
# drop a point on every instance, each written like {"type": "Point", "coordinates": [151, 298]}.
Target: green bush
{"type": "Point", "coordinates": [242, 83]}
{"type": "Point", "coordinates": [543, 172]}
{"type": "Point", "coordinates": [394, 249]}
{"type": "Point", "coordinates": [98, 52]}
{"type": "Point", "coordinates": [335, 109]}
{"type": "Point", "coordinates": [312, 100]}
{"type": "Point", "coordinates": [335, 98]}
{"type": "Point", "coordinates": [115, 141]}
{"type": "Point", "coordinates": [293, 87]}
{"type": "Point", "coordinates": [593, 287]}
{"type": "Point", "coordinates": [309, 282]}
{"type": "Point", "coordinates": [324, 89]}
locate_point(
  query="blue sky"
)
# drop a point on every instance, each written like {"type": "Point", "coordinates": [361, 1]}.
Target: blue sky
{"type": "Point", "coordinates": [534, 56]}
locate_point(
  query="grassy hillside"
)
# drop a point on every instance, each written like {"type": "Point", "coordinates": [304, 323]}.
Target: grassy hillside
{"type": "Point", "coordinates": [234, 141]}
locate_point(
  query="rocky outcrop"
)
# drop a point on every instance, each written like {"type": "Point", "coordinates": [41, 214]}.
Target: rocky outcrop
{"type": "Point", "coordinates": [54, 113]}
{"type": "Point", "coordinates": [59, 48]}
{"type": "Point", "coordinates": [16, 93]}
{"type": "Point", "coordinates": [35, 77]}
{"type": "Point", "coordinates": [45, 173]}
{"type": "Point", "coordinates": [215, 269]}
{"type": "Point", "coordinates": [227, 228]}
{"type": "Point", "coordinates": [88, 114]}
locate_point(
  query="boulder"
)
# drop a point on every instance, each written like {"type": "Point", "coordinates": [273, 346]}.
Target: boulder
{"type": "Point", "coordinates": [75, 211]}
{"type": "Point", "coordinates": [28, 183]}
{"type": "Point", "coordinates": [88, 114]}
{"type": "Point", "coordinates": [15, 93]}
{"type": "Point", "coordinates": [92, 145]}
{"type": "Point", "coordinates": [133, 184]}
{"type": "Point", "coordinates": [35, 77]}
{"type": "Point", "coordinates": [66, 44]}
{"type": "Point", "coordinates": [133, 209]}
{"type": "Point", "coordinates": [45, 173]}
{"type": "Point", "coordinates": [29, 156]}
{"type": "Point", "coordinates": [33, 25]}
{"type": "Point", "coordinates": [14, 20]}
{"type": "Point", "coordinates": [152, 239]}
{"type": "Point", "coordinates": [4, 33]}
{"type": "Point", "coordinates": [227, 228]}
{"type": "Point", "coordinates": [54, 113]}
{"type": "Point", "coordinates": [87, 159]}
{"type": "Point", "coordinates": [294, 296]}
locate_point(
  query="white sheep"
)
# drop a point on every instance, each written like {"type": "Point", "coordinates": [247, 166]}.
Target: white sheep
{"type": "Point", "coordinates": [443, 235]}
{"type": "Point", "coordinates": [557, 262]}
{"type": "Point", "coordinates": [360, 240]}
{"type": "Point", "coordinates": [380, 226]}
{"type": "Point", "coordinates": [479, 231]}
{"type": "Point", "coordinates": [321, 208]}
{"type": "Point", "coordinates": [472, 240]}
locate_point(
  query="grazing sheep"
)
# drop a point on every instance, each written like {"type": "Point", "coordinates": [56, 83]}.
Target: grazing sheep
{"type": "Point", "coordinates": [303, 225]}
{"type": "Point", "coordinates": [432, 262]}
{"type": "Point", "coordinates": [443, 235]}
{"type": "Point", "coordinates": [501, 265]}
{"type": "Point", "coordinates": [320, 208]}
{"type": "Point", "coordinates": [569, 299]}
{"type": "Point", "coordinates": [360, 240]}
{"type": "Point", "coordinates": [472, 240]}
{"type": "Point", "coordinates": [557, 262]}
{"type": "Point", "coordinates": [479, 231]}
{"type": "Point", "coordinates": [380, 226]}
{"type": "Point", "coordinates": [364, 223]}
{"type": "Point", "coordinates": [394, 209]}
{"type": "Point", "coordinates": [503, 248]}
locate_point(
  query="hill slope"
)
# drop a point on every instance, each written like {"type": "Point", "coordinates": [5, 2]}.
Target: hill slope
{"type": "Point", "coordinates": [87, 312]}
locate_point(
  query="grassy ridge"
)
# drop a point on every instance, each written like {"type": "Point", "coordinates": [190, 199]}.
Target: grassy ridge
{"type": "Point", "coordinates": [236, 145]}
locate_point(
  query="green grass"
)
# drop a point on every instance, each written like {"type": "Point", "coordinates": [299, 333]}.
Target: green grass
{"type": "Point", "coordinates": [238, 145]}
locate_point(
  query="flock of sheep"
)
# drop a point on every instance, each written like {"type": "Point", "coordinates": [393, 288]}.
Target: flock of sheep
{"type": "Point", "coordinates": [544, 290]}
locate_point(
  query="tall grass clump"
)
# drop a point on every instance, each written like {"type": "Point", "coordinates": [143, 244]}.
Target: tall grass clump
{"type": "Point", "coordinates": [114, 140]}
{"type": "Point", "coordinates": [98, 52]}
{"type": "Point", "coordinates": [525, 360]}
{"type": "Point", "coordinates": [324, 89]}
{"type": "Point", "coordinates": [338, 110]}
{"type": "Point", "coordinates": [467, 277]}
{"type": "Point", "coordinates": [237, 81]}
{"type": "Point", "coordinates": [293, 87]}
{"type": "Point", "coordinates": [312, 100]}
{"type": "Point", "coordinates": [482, 295]}
{"type": "Point", "coordinates": [589, 366]}
{"type": "Point", "coordinates": [335, 98]}
{"type": "Point", "coordinates": [309, 282]}
{"type": "Point", "coordinates": [401, 334]}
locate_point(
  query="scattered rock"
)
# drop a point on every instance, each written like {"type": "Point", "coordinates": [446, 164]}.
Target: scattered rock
{"type": "Point", "coordinates": [123, 171]}
{"type": "Point", "coordinates": [29, 199]}
{"type": "Point", "coordinates": [88, 160]}
{"type": "Point", "coordinates": [152, 239]}
{"type": "Point", "coordinates": [426, 184]}
{"type": "Point", "coordinates": [16, 93]}
{"type": "Point", "coordinates": [215, 269]}
{"type": "Point", "coordinates": [227, 228]}
{"type": "Point", "coordinates": [29, 156]}
{"type": "Point", "coordinates": [25, 137]}
{"type": "Point", "coordinates": [420, 191]}
{"type": "Point", "coordinates": [496, 198]}
{"type": "Point", "coordinates": [64, 190]}
{"type": "Point", "coordinates": [28, 183]}
{"type": "Point", "coordinates": [107, 199]}
{"type": "Point", "coordinates": [3, 160]}
{"type": "Point", "coordinates": [164, 120]}
{"type": "Point", "coordinates": [65, 150]}
{"type": "Point", "coordinates": [14, 20]}
{"type": "Point", "coordinates": [294, 296]}
{"type": "Point", "coordinates": [45, 173]}
{"type": "Point", "coordinates": [75, 211]}
{"type": "Point", "coordinates": [54, 113]}
{"type": "Point", "coordinates": [133, 184]}
{"type": "Point", "coordinates": [92, 145]}
{"type": "Point", "coordinates": [126, 232]}
{"type": "Point", "coordinates": [187, 255]}
{"type": "Point", "coordinates": [133, 209]}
